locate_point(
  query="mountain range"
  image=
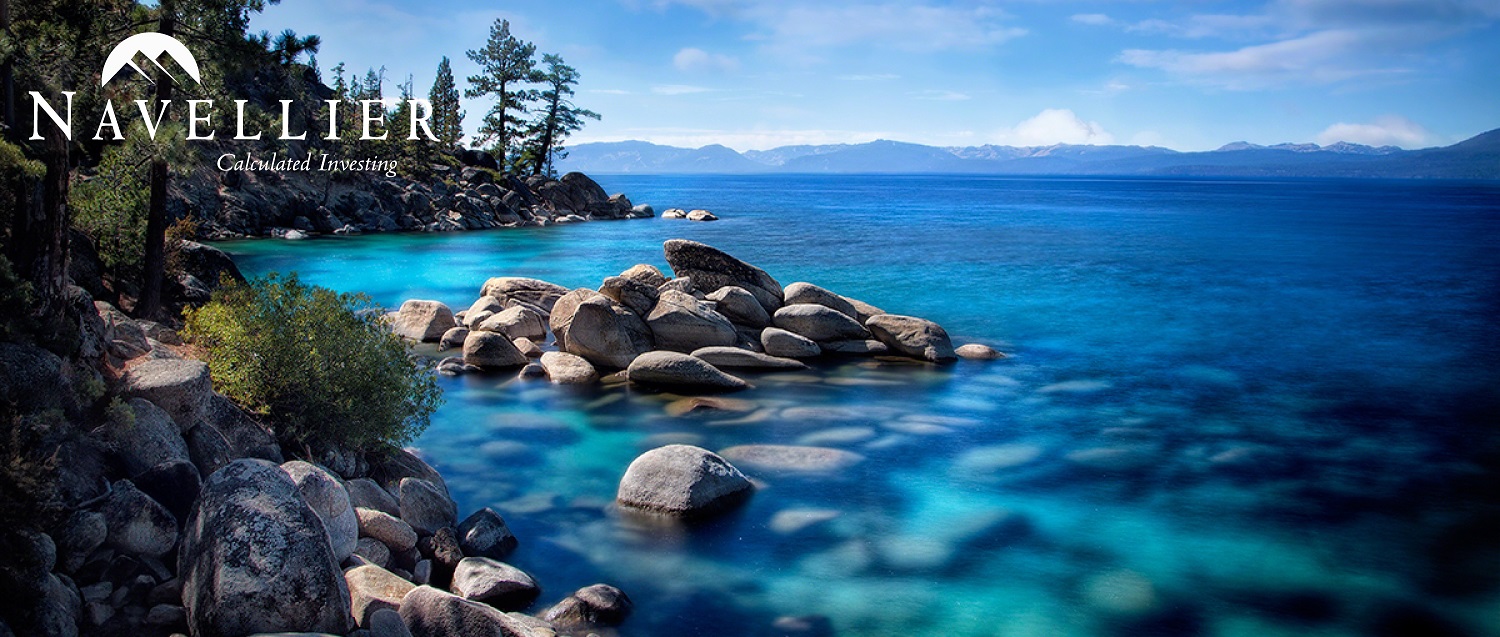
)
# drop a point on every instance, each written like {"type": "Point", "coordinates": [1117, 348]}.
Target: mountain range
{"type": "Point", "coordinates": [1475, 158]}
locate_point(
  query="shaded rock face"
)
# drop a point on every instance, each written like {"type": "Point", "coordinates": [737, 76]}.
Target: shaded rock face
{"type": "Point", "coordinates": [208, 449]}
{"type": "Point", "coordinates": [138, 525]}
{"type": "Point", "coordinates": [255, 558]}
{"type": "Point", "coordinates": [153, 438]}
{"type": "Point", "coordinates": [30, 377]}
{"type": "Point", "coordinates": [518, 321]}
{"type": "Point", "coordinates": [429, 612]}
{"type": "Point", "coordinates": [485, 534]}
{"type": "Point", "coordinates": [246, 437]}
{"type": "Point", "coordinates": [491, 350]}
{"type": "Point", "coordinates": [366, 493]}
{"type": "Point", "coordinates": [818, 323]}
{"type": "Point", "coordinates": [600, 605]}
{"type": "Point", "coordinates": [682, 481]}
{"type": "Point", "coordinates": [424, 321]}
{"type": "Point", "coordinates": [174, 484]}
{"type": "Point", "coordinates": [914, 337]}
{"type": "Point", "coordinates": [734, 357]}
{"type": "Point", "coordinates": [711, 269]}
{"type": "Point", "coordinates": [639, 296]}
{"type": "Point", "coordinates": [495, 583]}
{"type": "Point", "coordinates": [682, 323]}
{"type": "Point", "coordinates": [681, 371]}
{"type": "Point", "coordinates": [426, 507]}
{"type": "Point", "coordinates": [568, 369]}
{"type": "Point", "coordinates": [740, 306]}
{"type": "Point", "coordinates": [779, 342]}
{"type": "Point", "coordinates": [182, 388]}
{"type": "Point", "coordinates": [561, 318]}
{"type": "Point", "coordinates": [328, 498]}
{"type": "Point", "coordinates": [606, 334]}
{"type": "Point", "coordinates": [532, 291]}
{"type": "Point", "coordinates": [801, 292]}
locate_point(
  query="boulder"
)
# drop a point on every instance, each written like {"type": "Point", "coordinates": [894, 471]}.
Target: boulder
{"type": "Point", "coordinates": [180, 387]}
{"type": "Point", "coordinates": [327, 497]}
{"type": "Point", "coordinates": [255, 558]}
{"type": "Point", "coordinates": [527, 347]}
{"type": "Point", "coordinates": [517, 321]}
{"type": "Point", "coordinates": [369, 550]}
{"type": "Point", "coordinates": [145, 440]}
{"type": "Point", "coordinates": [365, 493]}
{"type": "Point", "coordinates": [532, 371]}
{"type": "Point", "coordinates": [682, 481]}
{"type": "Point", "coordinates": [682, 323]}
{"type": "Point", "coordinates": [539, 293]}
{"type": "Point", "coordinates": [561, 317]}
{"type": "Point", "coordinates": [484, 534]}
{"type": "Point", "coordinates": [639, 296]}
{"type": "Point", "coordinates": [208, 449]}
{"type": "Point", "coordinates": [701, 215]}
{"type": "Point", "coordinates": [792, 458]}
{"type": "Point", "coordinates": [34, 379]}
{"type": "Point", "coordinates": [642, 211]}
{"type": "Point", "coordinates": [83, 532]}
{"type": "Point", "coordinates": [779, 342]}
{"type": "Point", "coordinates": [387, 622]}
{"type": "Point", "coordinates": [491, 350]}
{"type": "Point", "coordinates": [680, 371]}
{"type": "Point", "coordinates": [739, 306]}
{"type": "Point", "coordinates": [712, 269]}
{"type": "Point", "coordinates": [736, 358]}
{"type": "Point", "coordinates": [495, 583]}
{"type": "Point", "coordinates": [138, 525]}
{"type": "Point", "coordinates": [801, 292]}
{"type": "Point", "coordinates": [914, 337]}
{"type": "Point", "coordinates": [606, 334]}
{"type": "Point", "coordinates": [453, 338]}
{"type": "Point", "coordinates": [443, 553]}
{"type": "Point", "coordinates": [568, 369]}
{"type": "Point", "coordinates": [429, 612]}
{"type": "Point", "coordinates": [674, 213]}
{"type": "Point", "coordinates": [683, 284]}
{"type": "Point", "coordinates": [818, 323]}
{"type": "Point", "coordinates": [372, 588]}
{"type": "Point", "coordinates": [484, 304]}
{"type": "Point", "coordinates": [862, 310]}
{"type": "Point", "coordinates": [978, 352]}
{"type": "Point", "coordinates": [128, 340]}
{"type": "Point", "coordinates": [426, 507]}
{"type": "Point", "coordinates": [600, 605]}
{"type": "Point", "coordinates": [401, 463]}
{"type": "Point", "coordinates": [247, 438]}
{"type": "Point", "coordinates": [174, 484]}
{"type": "Point", "coordinates": [645, 273]}
{"type": "Point", "coordinates": [388, 529]}
{"type": "Point", "coordinates": [856, 347]}
{"type": "Point", "coordinates": [57, 609]}
{"type": "Point", "coordinates": [424, 321]}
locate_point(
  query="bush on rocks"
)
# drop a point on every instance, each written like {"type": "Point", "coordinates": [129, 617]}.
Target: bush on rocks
{"type": "Point", "coordinates": [306, 359]}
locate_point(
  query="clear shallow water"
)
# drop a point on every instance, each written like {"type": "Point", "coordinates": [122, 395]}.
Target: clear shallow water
{"type": "Point", "coordinates": [1233, 408]}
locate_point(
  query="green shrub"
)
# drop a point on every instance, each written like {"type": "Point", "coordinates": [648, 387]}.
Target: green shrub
{"type": "Point", "coordinates": [321, 367]}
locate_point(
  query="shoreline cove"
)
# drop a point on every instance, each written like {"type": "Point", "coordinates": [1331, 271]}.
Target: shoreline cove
{"type": "Point", "coordinates": [325, 162]}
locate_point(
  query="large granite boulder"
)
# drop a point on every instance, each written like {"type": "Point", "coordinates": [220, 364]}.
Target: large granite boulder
{"type": "Point", "coordinates": [645, 273]}
{"type": "Point", "coordinates": [682, 323]}
{"type": "Point", "coordinates": [365, 493]}
{"type": "Point", "coordinates": [914, 337]}
{"type": "Point", "coordinates": [424, 321]}
{"type": "Point", "coordinates": [561, 317]}
{"type": "Point", "coordinates": [491, 350]}
{"type": "Point", "coordinates": [639, 296]}
{"type": "Point", "coordinates": [711, 269]}
{"type": "Point", "coordinates": [328, 498]}
{"type": "Point", "coordinates": [174, 483]}
{"type": "Point", "coordinates": [779, 342]}
{"type": "Point", "coordinates": [146, 440]}
{"type": "Point", "coordinates": [517, 321]}
{"type": "Point", "coordinates": [818, 323]}
{"type": "Point", "coordinates": [208, 448]}
{"type": "Point", "coordinates": [739, 306]}
{"type": "Point", "coordinates": [533, 291]}
{"type": "Point", "coordinates": [429, 612]}
{"type": "Point", "coordinates": [485, 534]}
{"type": "Point", "coordinates": [426, 507]}
{"type": "Point", "coordinates": [390, 530]}
{"type": "Point", "coordinates": [682, 481]}
{"type": "Point", "coordinates": [978, 352]}
{"type": "Point", "coordinates": [606, 334]}
{"type": "Point", "coordinates": [736, 358]}
{"type": "Point", "coordinates": [600, 605]}
{"type": "Point", "coordinates": [568, 369]}
{"type": "Point", "coordinates": [372, 588]}
{"type": "Point", "coordinates": [802, 292]}
{"type": "Point", "coordinates": [180, 387]}
{"type": "Point", "coordinates": [495, 583]}
{"type": "Point", "coordinates": [247, 438]}
{"type": "Point", "coordinates": [255, 558]}
{"type": "Point", "coordinates": [682, 372]}
{"type": "Point", "coordinates": [138, 525]}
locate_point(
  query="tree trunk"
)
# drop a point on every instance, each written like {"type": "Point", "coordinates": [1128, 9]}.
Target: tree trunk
{"type": "Point", "coordinates": [155, 262]}
{"type": "Point", "coordinates": [39, 229]}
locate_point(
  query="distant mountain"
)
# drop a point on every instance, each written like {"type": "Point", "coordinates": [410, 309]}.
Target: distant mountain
{"type": "Point", "coordinates": [1476, 158]}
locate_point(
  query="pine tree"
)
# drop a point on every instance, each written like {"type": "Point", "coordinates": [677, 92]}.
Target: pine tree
{"type": "Point", "coordinates": [559, 117]}
{"type": "Point", "coordinates": [505, 64]}
{"type": "Point", "coordinates": [447, 118]}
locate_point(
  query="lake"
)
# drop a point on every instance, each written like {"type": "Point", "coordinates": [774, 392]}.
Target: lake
{"type": "Point", "coordinates": [1230, 408]}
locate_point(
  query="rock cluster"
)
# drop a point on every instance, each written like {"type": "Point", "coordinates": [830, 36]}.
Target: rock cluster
{"type": "Point", "coordinates": [691, 332]}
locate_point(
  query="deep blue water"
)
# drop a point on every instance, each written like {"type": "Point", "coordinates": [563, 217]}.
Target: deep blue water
{"type": "Point", "coordinates": [1232, 408]}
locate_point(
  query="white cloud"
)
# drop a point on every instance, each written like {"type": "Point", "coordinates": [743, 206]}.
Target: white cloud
{"type": "Point", "coordinates": [1318, 58]}
{"type": "Point", "coordinates": [1094, 19]}
{"type": "Point", "coordinates": [693, 59]}
{"type": "Point", "coordinates": [1389, 130]}
{"type": "Point", "coordinates": [1056, 126]}
{"type": "Point", "coordinates": [678, 89]}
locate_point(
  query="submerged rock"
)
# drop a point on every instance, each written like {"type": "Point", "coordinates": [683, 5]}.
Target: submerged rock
{"type": "Point", "coordinates": [977, 352]}
{"type": "Point", "coordinates": [671, 369]}
{"type": "Point", "coordinates": [424, 321]}
{"type": "Point", "coordinates": [734, 357]}
{"type": "Point", "coordinates": [682, 481]}
{"type": "Point", "coordinates": [914, 337]}
{"type": "Point", "coordinates": [792, 458]}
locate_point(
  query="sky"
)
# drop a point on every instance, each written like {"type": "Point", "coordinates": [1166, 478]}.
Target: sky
{"type": "Point", "coordinates": [759, 74]}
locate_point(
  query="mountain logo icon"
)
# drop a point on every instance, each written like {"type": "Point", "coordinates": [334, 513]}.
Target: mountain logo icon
{"type": "Point", "coordinates": [153, 46]}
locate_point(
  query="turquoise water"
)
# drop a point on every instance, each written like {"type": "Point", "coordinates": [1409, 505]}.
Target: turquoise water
{"type": "Point", "coordinates": [1233, 408]}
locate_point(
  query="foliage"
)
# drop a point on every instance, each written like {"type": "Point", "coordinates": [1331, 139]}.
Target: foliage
{"type": "Point", "coordinates": [320, 365]}
{"type": "Point", "coordinates": [505, 64]}
{"type": "Point", "coordinates": [447, 118]}
{"type": "Point", "coordinates": [111, 205]}
{"type": "Point", "coordinates": [559, 116]}
{"type": "Point", "coordinates": [16, 300]}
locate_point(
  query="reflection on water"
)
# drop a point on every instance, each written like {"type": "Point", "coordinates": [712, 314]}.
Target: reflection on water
{"type": "Point", "coordinates": [1232, 409]}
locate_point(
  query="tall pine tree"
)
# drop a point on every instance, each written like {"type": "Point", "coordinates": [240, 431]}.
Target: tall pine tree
{"type": "Point", "coordinates": [447, 118]}
{"type": "Point", "coordinates": [559, 117]}
{"type": "Point", "coordinates": [505, 65]}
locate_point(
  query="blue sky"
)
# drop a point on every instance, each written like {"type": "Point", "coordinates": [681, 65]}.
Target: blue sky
{"type": "Point", "coordinates": [759, 74]}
